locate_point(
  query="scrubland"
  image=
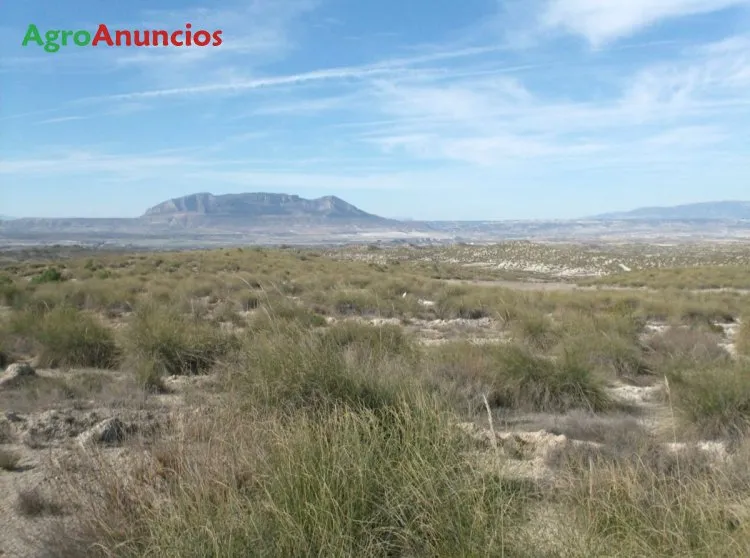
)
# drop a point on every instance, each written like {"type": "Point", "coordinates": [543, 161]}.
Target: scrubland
{"type": "Point", "coordinates": [375, 402]}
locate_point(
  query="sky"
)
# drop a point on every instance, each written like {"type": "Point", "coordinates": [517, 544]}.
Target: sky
{"type": "Point", "coordinates": [427, 109]}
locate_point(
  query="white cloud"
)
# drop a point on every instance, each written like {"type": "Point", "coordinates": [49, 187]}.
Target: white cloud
{"type": "Point", "coordinates": [603, 21]}
{"type": "Point", "coordinates": [62, 119]}
{"type": "Point", "coordinates": [495, 120]}
{"type": "Point", "coordinates": [387, 67]}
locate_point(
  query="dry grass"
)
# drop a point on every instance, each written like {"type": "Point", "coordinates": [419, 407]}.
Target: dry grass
{"type": "Point", "coordinates": [743, 337]}
{"type": "Point", "coordinates": [513, 377]}
{"type": "Point", "coordinates": [341, 439]}
{"type": "Point", "coordinates": [161, 341]}
{"type": "Point", "coordinates": [65, 337]}
{"type": "Point", "coordinates": [32, 502]}
{"type": "Point", "coordinates": [715, 401]}
{"type": "Point", "coordinates": [635, 508]}
{"type": "Point", "coordinates": [341, 484]}
{"type": "Point", "coordinates": [704, 277]}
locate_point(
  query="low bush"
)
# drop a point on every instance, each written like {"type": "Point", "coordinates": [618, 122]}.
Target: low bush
{"type": "Point", "coordinates": [293, 368]}
{"type": "Point", "coordinates": [714, 401]}
{"type": "Point", "coordinates": [66, 337]}
{"type": "Point", "coordinates": [513, 377]}
{"type": "Point", "coordinates": [160, 341]}
{"type": "Point", "coordinates": [49, 275]}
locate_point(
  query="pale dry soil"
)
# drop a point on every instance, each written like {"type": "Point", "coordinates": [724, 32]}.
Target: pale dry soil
{"type": "Point", "coordinates": [48, 431]}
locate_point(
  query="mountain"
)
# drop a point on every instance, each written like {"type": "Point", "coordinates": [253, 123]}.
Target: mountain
{"type": "Point", "coordinates": [721, 210]}
{"type": "Point", "coordinates": [6, 218]}
{"type": "Point", "coordinates": [260, 205]}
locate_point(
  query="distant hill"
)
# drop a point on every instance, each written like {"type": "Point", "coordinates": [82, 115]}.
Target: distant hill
{"type": "Point", "coordinates": [260, 205]}
{"type": "Point", "coordinates": [6, 218]}
{"type": "Point", "coordinates": [721, 210]}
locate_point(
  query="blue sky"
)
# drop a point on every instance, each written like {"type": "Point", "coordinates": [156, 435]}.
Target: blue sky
{"type": "Point", "coordinates": [432, 109]}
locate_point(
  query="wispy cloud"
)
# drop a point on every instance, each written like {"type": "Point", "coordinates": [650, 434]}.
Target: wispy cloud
{"type": "Point", "coordinates": [386, 67]}
{"type": "Point", "coordinates": [62, 119]}
{"type": "Point", "coordinates": [600, 22]}
{"type": "Point", "coordinates": [495, 119]}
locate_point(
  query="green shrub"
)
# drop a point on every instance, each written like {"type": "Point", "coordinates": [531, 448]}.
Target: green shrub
{"type": "Point", "coordinates": [67, 337]}
{"type": "Point", "coordinates": [613, 355]}
{"type": "Point", "coordinates": [294, 368]}
{"type": "Point", "coordinates": [513, 377]}
{"type": "Point", "coordinates": [386, 339]}
{"type": "Point", "coordinates": [536, 330]}
{"type": "Point", "coordinates": [49, 275]}
{"type": "Point", "coordinates": [160, 341]}
{"type": "Point", "coordinates": [715, 401]}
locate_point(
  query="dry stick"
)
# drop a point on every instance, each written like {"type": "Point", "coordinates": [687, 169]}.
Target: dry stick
{"type": "Point", "coordinates": [674, 424]}
{"type": "Point", "coordinates": [489, 419]}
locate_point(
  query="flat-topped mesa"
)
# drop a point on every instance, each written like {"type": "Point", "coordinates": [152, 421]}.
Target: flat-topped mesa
{"type": "Point", "coordinates": [259, 204]}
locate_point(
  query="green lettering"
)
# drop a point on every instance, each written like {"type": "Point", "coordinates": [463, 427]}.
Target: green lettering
{"type": "Point", "coordinates": [32, 34]}
{"type": "Point", "coordinates": [82, 38]}
{"type": "Point", "coordinates": [65, 36]}
{"type": "Point", "coordinates": [51, 36]}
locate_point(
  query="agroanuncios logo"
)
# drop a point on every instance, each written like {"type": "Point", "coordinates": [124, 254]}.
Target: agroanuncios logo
{"type": "Point", "coordinates": [53, 39]}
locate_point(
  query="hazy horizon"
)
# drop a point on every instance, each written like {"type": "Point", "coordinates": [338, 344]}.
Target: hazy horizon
{"type": "Point", "coordinates": [400, 217]}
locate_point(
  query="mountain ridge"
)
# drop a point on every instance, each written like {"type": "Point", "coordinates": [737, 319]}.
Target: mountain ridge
{"type": "Point", "coordinates": [258, 205]}
{"type": "Point", "coordinates": [716, 210]}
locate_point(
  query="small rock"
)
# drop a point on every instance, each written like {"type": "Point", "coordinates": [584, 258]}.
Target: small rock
{"type": "Point", "coordinates": [12, 416]}
{"type": "Point", "coordinates": [15, 373]}
{"type": "Point", "coordinates": [108, 431]}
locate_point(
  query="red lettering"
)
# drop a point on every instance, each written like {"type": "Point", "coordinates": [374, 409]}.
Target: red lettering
{"type": "Point", "coordinates": [188, 35]}
{"type": "Point", "coordinates": [202, 38]}
{"type": "Point", "coordinates": [102, 34]}
{"type": "Point", "coordinates": [164, 35]}
{"type": "Point", "coordinates": [217, 38]}
{"type": "Point", "coordinates": [141, 41]}
{"type": "Point", "coordinates": [175, 35]}
{"type": "Point", "coordinates": [119, 35]}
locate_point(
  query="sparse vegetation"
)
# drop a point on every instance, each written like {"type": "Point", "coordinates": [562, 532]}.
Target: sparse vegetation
{"type": "Point", "coordinates": [32, 502]}
{"type": "Point", "coordinates": [65, 337]}
{"type": "Point", "coordinates": [382, 401]}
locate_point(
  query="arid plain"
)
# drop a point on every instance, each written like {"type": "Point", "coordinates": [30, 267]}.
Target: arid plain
{"type": "Point", "coordinates": [513, 399]}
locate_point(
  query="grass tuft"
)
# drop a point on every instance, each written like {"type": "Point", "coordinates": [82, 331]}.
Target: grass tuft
{"type": "Point", "coordinates": [715, 401]}
{"type": "Point", "coordinates": [66, 337]}
{"type": "Point", "coordinates": [160, 342]}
